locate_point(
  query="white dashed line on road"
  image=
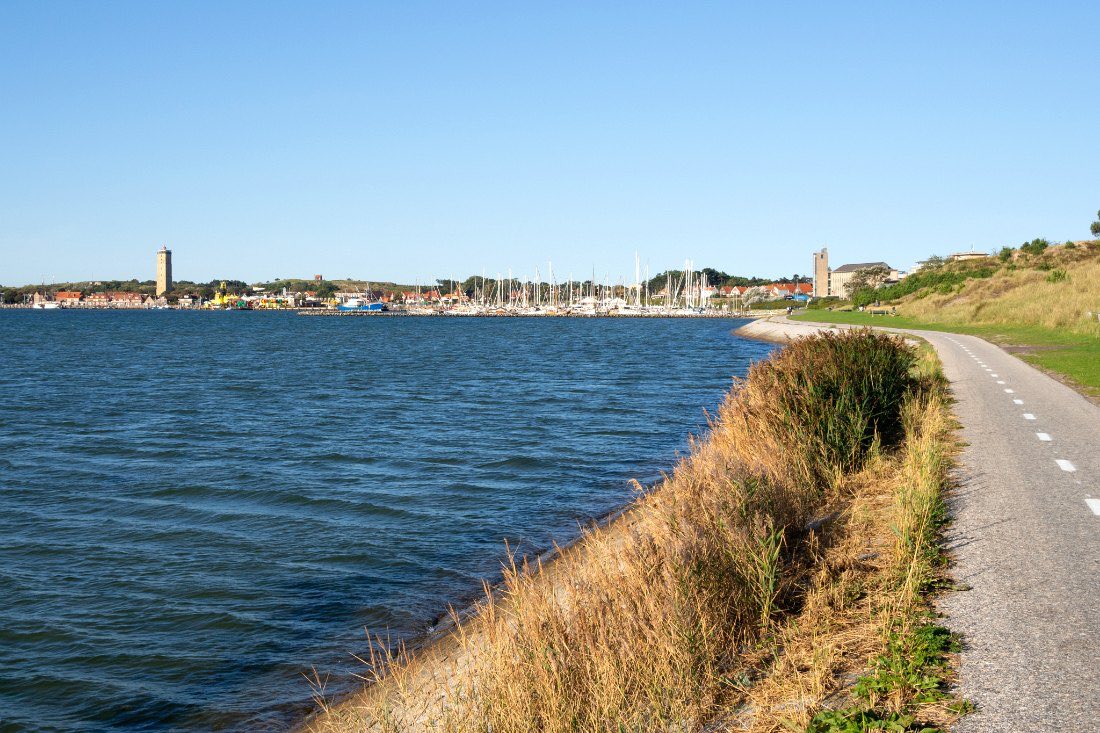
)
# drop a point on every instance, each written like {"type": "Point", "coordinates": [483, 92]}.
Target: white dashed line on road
{"type": "Point", "coordinates": [1044, 437]}
{"type": "Point", "coordinates": [1065, 465]}
{"type": "Point", "coordinates": [1010, 391]}
{"type": "Point", "coordinates": [1028, 416]}
{"type": "Point", "coordinates": [1000, 381]}
{"type": "Point", "coordinates": [1018, 402]}
{"type": "Point", "coordinates": [1094, 505]}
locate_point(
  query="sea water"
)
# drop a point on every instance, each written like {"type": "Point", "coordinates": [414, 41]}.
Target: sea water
{"type": "Point", "coordinates": [198, 509]}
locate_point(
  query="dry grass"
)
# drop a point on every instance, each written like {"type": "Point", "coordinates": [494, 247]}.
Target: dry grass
{"type": "Point", "coordinates": [870, 593]}
{"type": "Point", "coordinates": [1024, 296]}
{"type": "Point", "coordinates": [718, 602]}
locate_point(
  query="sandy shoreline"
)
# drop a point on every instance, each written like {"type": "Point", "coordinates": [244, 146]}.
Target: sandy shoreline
{"type": "Point", "coordinates": [778, 329]}
{"type": "Point", "coordinates": [440, 655]}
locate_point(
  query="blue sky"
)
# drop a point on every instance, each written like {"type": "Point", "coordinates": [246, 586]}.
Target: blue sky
{"type": "Point", "coordinates": [410, 140]}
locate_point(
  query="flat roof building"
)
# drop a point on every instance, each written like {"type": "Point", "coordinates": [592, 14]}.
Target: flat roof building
{"type": "Point", "coordinates": [971, 255]}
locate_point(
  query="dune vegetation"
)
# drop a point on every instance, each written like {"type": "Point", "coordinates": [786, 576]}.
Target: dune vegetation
{"type": "Point", "coordinates": [1043, 302]}
{"type": "Point", "coordinates": [1058, 289]}
{"type": "Point", "coordinates": [777, 579]}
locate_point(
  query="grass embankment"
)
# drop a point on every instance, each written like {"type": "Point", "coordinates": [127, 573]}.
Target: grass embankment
{"type": "Point", "coordinates": [790, 553]}
{"type": "Point", "coordinates": [1043, 305]}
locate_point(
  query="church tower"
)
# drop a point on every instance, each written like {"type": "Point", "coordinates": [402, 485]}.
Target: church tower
{"type": "Point", "coordinates": [164, 270]}
{"type": "Point", "coordinates": [821, 273]}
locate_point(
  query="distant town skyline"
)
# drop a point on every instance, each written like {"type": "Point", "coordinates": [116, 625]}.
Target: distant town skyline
{"type": "Point", "coordinates": [417, 141]}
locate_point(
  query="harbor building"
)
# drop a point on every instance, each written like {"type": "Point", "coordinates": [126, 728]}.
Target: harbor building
{"type": "Point", "coordinates": [164, 270]}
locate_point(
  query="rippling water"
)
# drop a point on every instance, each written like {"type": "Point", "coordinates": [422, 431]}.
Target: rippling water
{"type": "Point", "coordinates": [197, 507]}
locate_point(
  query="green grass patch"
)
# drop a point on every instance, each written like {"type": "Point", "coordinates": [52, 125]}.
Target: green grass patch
{"type": "Point", "coordinates": [914, 665]}
{"type": "Point", "coordinates": [860, 721]}
{"type": "Point", "coordinates": [913, 668]}
{"type": "Point", "coordinates": [1081, 363]}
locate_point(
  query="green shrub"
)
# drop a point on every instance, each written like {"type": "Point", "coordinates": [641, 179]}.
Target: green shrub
{"type": "Point", "coordinates": [1057, 276]}
{"type": "Point", "coordinates": [829, 301]}
{"type": "Point", "coordinates": [1005, 254]}
{"type": "Point", "coordinates": [833, 397]}
{"type": "Point", "coordinates": [1034, 247]}
{"type": "Point", "coordinates": [772, 305]}
{"type": "Point", "coordinates": [1071, 245]}
{"type": "Point", "coordinates": [938, 280]}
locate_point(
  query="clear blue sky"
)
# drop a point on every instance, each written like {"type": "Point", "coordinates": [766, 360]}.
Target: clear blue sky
{"type": "Point", "coordinates": [413, 140]}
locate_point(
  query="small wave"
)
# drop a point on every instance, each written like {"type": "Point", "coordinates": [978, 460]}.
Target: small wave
{"type": "Point", "coordinates": [524, 462]}
{"type": "Point", "coordinates": [340, 458]}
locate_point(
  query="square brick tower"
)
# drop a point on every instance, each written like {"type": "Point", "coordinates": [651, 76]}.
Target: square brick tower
{"type": "Point", "coordinates": [821, 273]}
{"type": "Point", "coordinates": [164, 270]}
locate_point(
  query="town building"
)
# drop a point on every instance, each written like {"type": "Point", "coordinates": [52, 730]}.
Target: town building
{"type": "Point", "coordinates": [841, 276]}
{"type": "Point", "coordinates": [789, 290]}
{"type": "Point", "coordinates": [126, 299]}
{"type": "Point", "coordinates": [964, 256]}
{"type": "Point", "coordinates": [832, 282]}
{"type": "Point", "coordinates": [164, 270]}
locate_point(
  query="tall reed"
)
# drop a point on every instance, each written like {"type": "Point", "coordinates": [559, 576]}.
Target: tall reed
{"type": "Point", "coordinates": [818, 407]}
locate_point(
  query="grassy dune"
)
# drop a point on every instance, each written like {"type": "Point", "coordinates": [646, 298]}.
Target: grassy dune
{"type": "Point", "coordinates": [1053, 291]}
{"type": "Point", "coordinates": [1040, 304]}
{"type": "Point", "coordinates": [789, 553]}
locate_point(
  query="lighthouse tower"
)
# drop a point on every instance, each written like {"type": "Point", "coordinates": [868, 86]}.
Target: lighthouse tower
{"type": "Point", "coordinates": [164, 270]}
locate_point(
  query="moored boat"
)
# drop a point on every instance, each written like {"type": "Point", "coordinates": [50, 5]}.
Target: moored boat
{"type": "Point", "coordinates": [359, 304]}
